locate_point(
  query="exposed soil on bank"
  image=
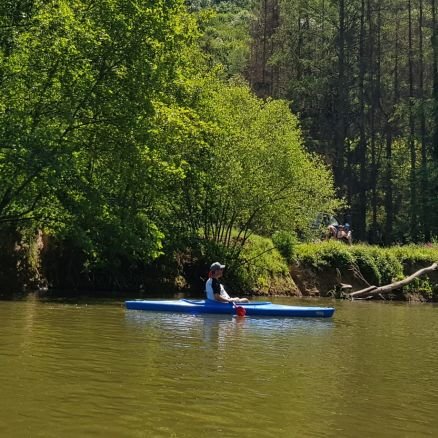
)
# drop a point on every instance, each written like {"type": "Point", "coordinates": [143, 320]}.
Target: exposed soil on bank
{"type": "Point", "coordinates": [42, 265]}
{"type": "Point", "coordinates": [331, 281]}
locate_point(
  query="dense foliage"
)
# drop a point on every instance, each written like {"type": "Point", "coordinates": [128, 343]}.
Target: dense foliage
{"type": "Point", "coordinates": [123, 140]}
{"type": "Point", "coordinates": [363, 77]}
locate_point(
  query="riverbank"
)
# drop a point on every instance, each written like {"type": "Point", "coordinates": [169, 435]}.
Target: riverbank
{"type": "Point", "coordinates": [306, 269]}
{"type": "Point", "coordinates": [321, 269]}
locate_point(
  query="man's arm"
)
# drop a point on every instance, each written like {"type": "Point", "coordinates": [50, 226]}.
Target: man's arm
{"type": "Point", "coordinates": [220, 298]}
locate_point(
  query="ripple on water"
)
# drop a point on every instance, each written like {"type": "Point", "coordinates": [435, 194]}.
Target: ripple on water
{"type": "Point", "coordinates": [98, 370]}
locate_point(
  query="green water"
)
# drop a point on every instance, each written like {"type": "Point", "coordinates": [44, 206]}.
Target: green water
{"type": "Point", "coordinates": [98, 370]}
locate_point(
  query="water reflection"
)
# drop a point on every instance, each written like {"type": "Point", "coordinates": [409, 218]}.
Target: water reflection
{"type": "Point", "coordinates": [220, 330]}
{"type": "Point", "coordinates": [256, 322]}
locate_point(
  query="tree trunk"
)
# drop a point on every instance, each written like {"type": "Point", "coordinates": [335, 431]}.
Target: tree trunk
{"type": "Point", "coordinates": [424, 167]}
{"type": "Point", "coordinates": [275, 71]}
{"type": "Point", "coordinates": [390, 128]}
{"type": "Point", "coordinates": [339, 136]}
{"type": "Point", "coordinates": [374, 290]}
{"type": "Point", "coordinates": [373, 31]}
{"type": "Point", "coordinates": [435, 78]}
{"type": "Point", "coordinates": [413, 154]}
{"type": "Point", "coordinates": [362, 148]}
{"type": "Point", "coordinates": [389, 209]}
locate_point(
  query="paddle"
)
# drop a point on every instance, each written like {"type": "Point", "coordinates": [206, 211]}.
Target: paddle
{"type": "Point", "coordinates": [240, 311]}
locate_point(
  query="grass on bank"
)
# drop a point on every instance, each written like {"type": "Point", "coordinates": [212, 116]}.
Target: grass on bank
{"type": "Point", "coordinates": [379, 266]}
{"type": "Point", "coordinates": [265, 264]}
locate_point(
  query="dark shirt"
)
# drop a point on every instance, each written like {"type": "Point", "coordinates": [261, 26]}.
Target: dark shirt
{"type": "Point", "coordinates": [216, 286]}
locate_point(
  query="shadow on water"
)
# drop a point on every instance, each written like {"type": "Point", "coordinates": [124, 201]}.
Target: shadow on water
{"type": "Point", "coordinates": [86, 297]}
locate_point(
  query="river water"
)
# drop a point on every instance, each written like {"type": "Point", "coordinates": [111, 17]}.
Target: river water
{"type": "Point", "coordinates": [98, 370]}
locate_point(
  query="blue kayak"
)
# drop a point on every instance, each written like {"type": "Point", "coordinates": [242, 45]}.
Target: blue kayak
{"type": "Point", "coordinates": [265, 308]}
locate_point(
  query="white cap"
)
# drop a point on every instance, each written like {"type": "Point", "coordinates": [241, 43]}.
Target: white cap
{"type": "Point", "coordinates": [216, 266]}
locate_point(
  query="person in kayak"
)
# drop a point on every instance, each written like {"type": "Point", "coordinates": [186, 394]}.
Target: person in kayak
{"type": "Point", "coordinates": [215, 291]}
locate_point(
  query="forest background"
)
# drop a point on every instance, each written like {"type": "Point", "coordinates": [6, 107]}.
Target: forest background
{"type": "Point", "coordinates": [143, 139]}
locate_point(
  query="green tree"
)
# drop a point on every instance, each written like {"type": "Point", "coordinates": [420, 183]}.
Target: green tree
{"type": "Point", "coordinates": [78, 85]}
{"type": "Point", "coordinates": [252, 174]}
{"type": "Point", "coordinates": [225, 27]}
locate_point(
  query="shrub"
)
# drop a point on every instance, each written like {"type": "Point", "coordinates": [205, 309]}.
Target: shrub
{"type": "Point", "coordinates": [367, 266]}
{"type": "Point", "coordinates": [377, 265]}
{"type": "Point", "coordinates": [285, 242]}
{"type": "Point", "coordinates": [421, 286]}
{"type": "Point", "coordinates": [320, 255]}
{"type": "Point", "coordinates": [258, 268]}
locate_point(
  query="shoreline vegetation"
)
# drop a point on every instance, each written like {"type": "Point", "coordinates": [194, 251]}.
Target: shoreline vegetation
{"type": "Point", "coordinates": [319, 269]}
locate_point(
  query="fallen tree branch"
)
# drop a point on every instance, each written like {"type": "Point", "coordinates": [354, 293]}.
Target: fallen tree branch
{"type": "Point", "coordinates": [374, 290]}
